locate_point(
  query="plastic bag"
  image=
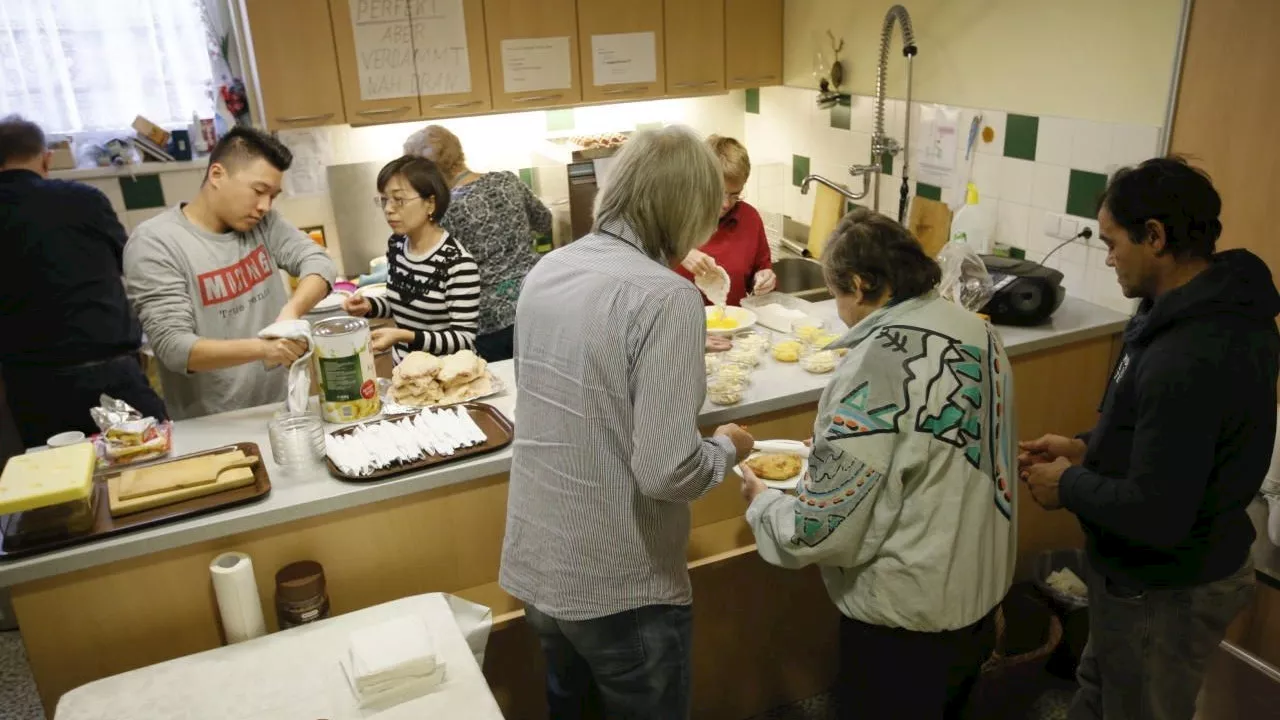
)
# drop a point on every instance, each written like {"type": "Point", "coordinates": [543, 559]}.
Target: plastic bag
{"type": "Point", "coordinates": [965, 280]}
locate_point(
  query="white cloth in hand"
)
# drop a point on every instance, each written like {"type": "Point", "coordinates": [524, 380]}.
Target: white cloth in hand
{"type": "Point", "coordinates": [300, 371]}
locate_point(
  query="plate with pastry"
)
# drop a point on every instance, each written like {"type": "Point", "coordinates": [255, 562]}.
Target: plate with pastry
{"type": "Point", "coordinates": [424, 380]}
{"type": "Point", "coordinates": [779, 463]}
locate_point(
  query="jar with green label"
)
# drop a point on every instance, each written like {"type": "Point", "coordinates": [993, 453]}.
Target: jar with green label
{"type": "Point", "coordinates": [344, 366]}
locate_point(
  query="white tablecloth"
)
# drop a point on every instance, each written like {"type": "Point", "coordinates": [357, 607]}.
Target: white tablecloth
{"type": "Point", "coordinates": [295, 675]}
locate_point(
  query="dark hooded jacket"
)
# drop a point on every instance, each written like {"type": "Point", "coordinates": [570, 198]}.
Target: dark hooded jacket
{"type": "Point", "coordinates": [1185, 433]}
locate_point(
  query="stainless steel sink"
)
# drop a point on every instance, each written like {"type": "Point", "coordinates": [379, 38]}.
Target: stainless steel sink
{"type": "Point", "coordinates": [802, 278]}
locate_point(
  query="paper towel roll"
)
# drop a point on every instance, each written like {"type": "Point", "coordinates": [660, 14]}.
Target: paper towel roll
{"type": "Point", "coordinates": [237, 594]}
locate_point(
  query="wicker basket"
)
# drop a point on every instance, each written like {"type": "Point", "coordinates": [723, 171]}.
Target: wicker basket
{"type": "Point", "coordinates": [1010, 683]}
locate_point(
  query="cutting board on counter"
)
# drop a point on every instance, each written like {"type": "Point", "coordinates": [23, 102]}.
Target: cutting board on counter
{"type": "Point", "coordinates": [187, 486]}
{"type": "Point", "coordinates": [930, 221]}
{"type": "Point", "coordinates": [178, 475]}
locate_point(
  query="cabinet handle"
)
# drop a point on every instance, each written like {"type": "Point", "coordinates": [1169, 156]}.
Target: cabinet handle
{"type": "Point", "coordinates": [449, 106]}
{"type": "Point", "coordinates": [538, 98]}
{"type": "Point", "coordinates": [755, 79]}
{"type": "Point", "coordinates": [625, 91]}
{"type": "Point", "coordinates": [304, 118]}
{"type": "Point", "coordinates": [384, 111]}
{"type": "Point", "coordinates": [708, 83]}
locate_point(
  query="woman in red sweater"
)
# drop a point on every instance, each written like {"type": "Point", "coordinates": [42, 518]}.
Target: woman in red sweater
{"type": "Point", "coordinates": [739, 245]}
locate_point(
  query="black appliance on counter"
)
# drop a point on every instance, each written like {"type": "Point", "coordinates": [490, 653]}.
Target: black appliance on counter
{"type": "Point", "coordinates": [1026, 293]}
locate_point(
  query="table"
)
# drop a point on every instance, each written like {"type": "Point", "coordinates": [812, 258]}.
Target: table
{"type": "Point", "coordinates": [294, 674]}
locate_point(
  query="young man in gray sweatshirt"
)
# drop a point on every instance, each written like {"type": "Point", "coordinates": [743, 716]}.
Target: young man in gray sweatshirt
{"type": "Point", "coordinates": [204, 278]}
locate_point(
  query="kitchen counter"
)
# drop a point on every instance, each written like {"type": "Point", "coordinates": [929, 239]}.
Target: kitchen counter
{"type": "Point", "coordinates": [90, 612]}
{"type": "Point", "coordinates": [774, 387]}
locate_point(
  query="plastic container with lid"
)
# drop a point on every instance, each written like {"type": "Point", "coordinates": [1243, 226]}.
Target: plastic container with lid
{"type": "Point", "coordinates": [301, 595]}
{"type": "Point", "coordinates": [754, 340]}
{"type": "Point", "coordinates": [51, 492]}
{"type": "Point", "coordinates": [743, 356]}
{"type": "Point", "coordinates": [725, 391]}
{"type": "Point", "coordinates": [736, 372]}
{"type": "Point", "coordinates": [820, 362]}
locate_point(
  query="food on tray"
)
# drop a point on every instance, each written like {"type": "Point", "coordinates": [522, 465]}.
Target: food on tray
{"type": "Point", "coordinates": [823, 361]}
{"type": "Point", "coordinates": [713, 362]}
{"type": "Point", "coordinates": [743, 356]}
{"type": "Point", "coordinates": [1067, 582]}
{"type": "Point", "coordinates": [787, 351]}
{"type": "Point", "coordinates": [423, 380]}
{"type": "Point", "coordinates": [388, 443]}
{"type": "Point", "coordinates": [775, 466]}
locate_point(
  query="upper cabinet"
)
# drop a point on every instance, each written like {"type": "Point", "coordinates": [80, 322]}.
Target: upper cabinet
{"type": "Point", "coordinates": [297, 81]}
{"type": "Point", "coordinates": [375, 60]}
{"type": "Point", "coordinates": [622, 50]}
{"type": "Point", "coordinates": [753, 43]}
{"type": "Point", "coordinates": [695, 46]}
{"type": "Point", "coordinates": [533, 53]}
{"type": "Point", "coordinates": [453, 77]}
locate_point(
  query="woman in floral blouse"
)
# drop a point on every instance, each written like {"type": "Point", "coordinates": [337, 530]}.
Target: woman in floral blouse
{"type": "Point", "coordinates": [495, 216]}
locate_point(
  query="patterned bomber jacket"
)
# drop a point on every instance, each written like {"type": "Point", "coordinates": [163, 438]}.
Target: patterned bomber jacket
{"type": "Point", "coordinates": [908, 506]}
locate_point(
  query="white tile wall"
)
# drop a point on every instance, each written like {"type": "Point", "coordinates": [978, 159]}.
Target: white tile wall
{"type": "Point", "coordinates": [1024, 191]}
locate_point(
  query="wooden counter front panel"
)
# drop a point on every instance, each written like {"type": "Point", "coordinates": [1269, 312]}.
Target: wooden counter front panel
{"type": "Point", "coordinates": [94, 623]}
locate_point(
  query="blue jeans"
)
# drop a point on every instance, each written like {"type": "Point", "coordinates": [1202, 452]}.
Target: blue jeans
{"type": "Point", "coordinates": [637, 661]}
{"type": "Point", "coordinates": [1147, 649]}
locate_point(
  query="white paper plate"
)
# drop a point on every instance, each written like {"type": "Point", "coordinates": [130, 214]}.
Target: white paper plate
{"type": "Point", "coordinates": [783, 446]}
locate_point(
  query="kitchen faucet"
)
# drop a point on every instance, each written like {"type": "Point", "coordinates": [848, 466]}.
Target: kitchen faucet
{"type": "Point", "coordinates": [882, 144]}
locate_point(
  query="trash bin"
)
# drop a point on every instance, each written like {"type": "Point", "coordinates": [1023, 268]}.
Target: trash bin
{"type": "Point", "coordinates": [1027, 633]}
{"type": "Point", "coordinates": [1072, 610]}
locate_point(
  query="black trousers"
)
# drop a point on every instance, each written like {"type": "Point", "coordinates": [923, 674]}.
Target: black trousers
{"type": "Point", "coordinates": [45, 401]}
{"type": "Point", "coordinates": [498, 345]}
{"type": "Point", "coordinates": [895, 674]}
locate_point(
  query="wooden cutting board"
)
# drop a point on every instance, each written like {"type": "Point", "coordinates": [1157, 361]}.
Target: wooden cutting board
{"type": "Point", "coordinates": [930, 221]}
{"type": "Point", "coordinates": [155, 479]}
{"type": "Point", "coordinates": [828, 209]}
{"type": "Point", "coordinates": [229, 480]}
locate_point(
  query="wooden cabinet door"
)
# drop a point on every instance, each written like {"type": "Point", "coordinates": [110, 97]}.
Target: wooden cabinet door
{"type": "Point", "coordinates": [298, 79]}
{"type": "Point", "coordinates": [378, 83]}
{"type": "Point", "coordinates": [694, 46]}
{"type": "Point", "coordinates": [641, 21]}
{"type": "Point", "coordinates": [555, 23]}
{"type": "Point", "coordinates": [437, 51]}
{"type": "Point", "coordinates": [753, 43]}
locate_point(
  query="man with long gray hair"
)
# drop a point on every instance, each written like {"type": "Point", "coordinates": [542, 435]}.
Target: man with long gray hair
{"type": "Point", "coordinates": [607, 455]}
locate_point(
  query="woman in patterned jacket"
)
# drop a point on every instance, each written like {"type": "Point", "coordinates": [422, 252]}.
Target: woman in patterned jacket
{"type": "Point", "coordinates": [908, 506]}
{"type": "Point", "coordinates": [495, 216]}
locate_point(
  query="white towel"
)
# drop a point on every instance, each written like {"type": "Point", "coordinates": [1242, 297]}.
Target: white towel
{"type": "Point", "coordinates": [300, 371]}
{"type": "Point", "coordinates": [394, 693]}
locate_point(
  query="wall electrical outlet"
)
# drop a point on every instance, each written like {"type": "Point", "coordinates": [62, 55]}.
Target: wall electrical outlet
{"type": "Point", "coordinates": [1068, 228]}
{"type": "Point", "coordinates": [1052, 224]}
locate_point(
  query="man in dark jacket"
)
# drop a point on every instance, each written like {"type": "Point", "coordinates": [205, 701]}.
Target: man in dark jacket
{"type": "Point", "coordinates": [1160, 485]}
{"type": "Point", "coordinates": [68, 332]}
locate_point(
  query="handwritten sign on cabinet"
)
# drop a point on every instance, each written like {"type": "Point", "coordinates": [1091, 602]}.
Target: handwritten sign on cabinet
{"type": "Point", "coordinates": [410, 47]}
{"type": "Point", "coordinates": [533, 64]}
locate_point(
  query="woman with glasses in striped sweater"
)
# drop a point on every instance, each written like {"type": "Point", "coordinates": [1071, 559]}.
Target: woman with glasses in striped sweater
{"type": "Point", "coordinates": [433, 283]}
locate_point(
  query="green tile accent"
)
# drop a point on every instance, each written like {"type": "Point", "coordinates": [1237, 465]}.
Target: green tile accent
{"type": "Point", "coordinates": [142, 192]}
{"type": "Point", "coordinates": [1020, 134]}
{"type": "Point", "coordinates": [840, 115]}
{"type": "Point", "coordinates": [799, 169]}
{"type": "Point", "coordinates": [886, 164]}
{"type": "Point", "coordinates": [932, 192]}
{"type": "Point", "coordinates": [1083, 191]}
{"type": "Point", "coordinates": [752, 100]}
{"type": "Point", "coordinates": [1017, 253]}
{"type": "Point", "coordinates": [526, 177]}
{"type": "Point", "coordinates": [559, 120]}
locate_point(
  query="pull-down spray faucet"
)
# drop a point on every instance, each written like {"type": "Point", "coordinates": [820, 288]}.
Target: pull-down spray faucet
{"type": "Point", "coordinates": [881, 143]}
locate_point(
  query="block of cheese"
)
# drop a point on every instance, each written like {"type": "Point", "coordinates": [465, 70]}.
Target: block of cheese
{"type": "Point", "coordinates": [48, 477]}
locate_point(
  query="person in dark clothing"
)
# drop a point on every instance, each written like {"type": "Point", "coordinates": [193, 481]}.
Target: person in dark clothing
{"type": "Point", "coordinates": [1183, 441]}
{"type": "Point", "coordinates": [69, 334]}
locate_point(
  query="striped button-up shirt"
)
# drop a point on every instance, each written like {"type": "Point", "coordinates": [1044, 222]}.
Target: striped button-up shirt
{"type": "Point", "coordinates": [607, 454]}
